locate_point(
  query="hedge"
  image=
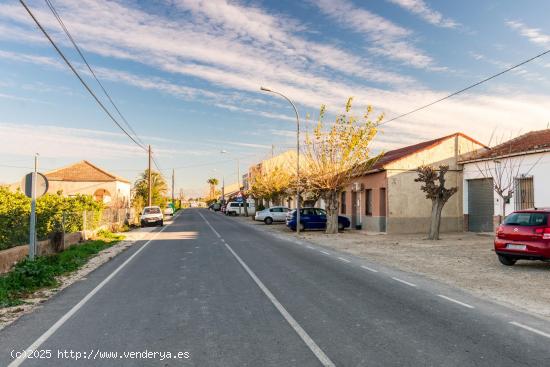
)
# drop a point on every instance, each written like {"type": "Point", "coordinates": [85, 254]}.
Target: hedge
{"type": "Point", "coordinates": [51, 211]}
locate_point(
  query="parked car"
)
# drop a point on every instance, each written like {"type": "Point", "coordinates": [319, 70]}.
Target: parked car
{"type": "Point", "coordinates": [151, 215]}
{"type": "Point", "coordinates": [235, 208]}
{"type": "Point", "coordinates": [215, 207]}
{"type": "Point", "coordinates": [169, 211]}
{"type": "Point", "coordinates": [314, 218]}
{"type": "Point", "coordinates": [273, 214]}
{"type": "Point", "coordinates": [524, 234]}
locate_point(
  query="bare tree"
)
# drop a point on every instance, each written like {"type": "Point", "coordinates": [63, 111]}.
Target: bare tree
{"type": "Point", "coordinates": [434, 187]}
{"type": "Point", "coordinates": [503, 168]}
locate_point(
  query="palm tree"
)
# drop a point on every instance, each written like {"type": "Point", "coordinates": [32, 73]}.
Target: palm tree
{"type": "Point", "coordinates": [159, 188]}
{"type": "Point", "coordinates": [213, 182]}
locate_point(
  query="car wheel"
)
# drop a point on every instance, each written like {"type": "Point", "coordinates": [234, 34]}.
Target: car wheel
{"type": "Point", "coordinates": [143, 224]}
{"type": "Point", "coordinates": [340, 226]}
{"type": "Point", "coordinates": [268, 220]}
{"type": "Point", "coordinates": [506, 260]}
{"type": "Point", "coordinates": [161, 223]}
{"type": "Point", "coordinates": [302, 227]}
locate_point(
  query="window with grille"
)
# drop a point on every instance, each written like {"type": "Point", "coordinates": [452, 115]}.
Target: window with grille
{"type": "Point", "coordinates": [524, 194]}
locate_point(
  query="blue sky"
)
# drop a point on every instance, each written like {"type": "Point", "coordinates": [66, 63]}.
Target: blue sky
{"type": "Point", "coordinates": [186, 74]}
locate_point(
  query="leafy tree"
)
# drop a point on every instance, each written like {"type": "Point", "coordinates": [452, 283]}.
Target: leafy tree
{"type": "Point", "coordinates": [159, 188]}
{"type": "Point", "coordinates": [271, 184]}
{"type": "Point", "coordinates": [336, 154]}
{"type": "Point", "coordinates": [433, 184]}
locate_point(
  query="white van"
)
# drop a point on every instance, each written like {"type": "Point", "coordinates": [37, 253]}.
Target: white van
{"type": "Point", "coordinates": [235, 208]}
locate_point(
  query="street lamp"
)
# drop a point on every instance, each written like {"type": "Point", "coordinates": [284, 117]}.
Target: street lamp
{"type": "Point", "coordinates": [297, 155]}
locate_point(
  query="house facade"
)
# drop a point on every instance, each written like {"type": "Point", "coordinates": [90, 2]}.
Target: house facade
{"type": "Point", "coordinates": [521, 165]}
{"type": "Point", "coordinates": [387, 199]}
{"type": "Point", "coordinates": [87, 179]}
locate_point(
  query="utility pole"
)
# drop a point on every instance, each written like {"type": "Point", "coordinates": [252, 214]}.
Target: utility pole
{"type": "Point", "coordinates": [149, 179]}
{"type": "Point", "coordinates": [173, 178]}
{"type": "Point", "coordinates": [238, 174]}
{"type": "Point", "coordinates": [272, 150]}
{"type": "Point", "coordinates": [32, 229]}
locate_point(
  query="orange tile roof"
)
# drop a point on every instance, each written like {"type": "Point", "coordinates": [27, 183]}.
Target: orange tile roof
{"type": "Point", "coordinates": [83, 171]}
{"type": "Point", "coordinates": [526, 143]}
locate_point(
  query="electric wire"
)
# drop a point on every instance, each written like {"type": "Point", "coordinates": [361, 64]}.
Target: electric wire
{"type": "Point", "coordinates": [62, 24]}
{"type": "Point", "coordinates": [467, 88]}
{"type": "Point", "coordinates": [77, 74]}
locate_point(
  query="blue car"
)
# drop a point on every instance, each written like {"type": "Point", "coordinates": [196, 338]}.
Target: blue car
{"type": "Point", "coordinates": [314, 218]}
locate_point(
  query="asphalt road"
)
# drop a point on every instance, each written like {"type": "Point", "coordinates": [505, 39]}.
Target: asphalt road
{"type": "Point", "coordinates": [222, 293]}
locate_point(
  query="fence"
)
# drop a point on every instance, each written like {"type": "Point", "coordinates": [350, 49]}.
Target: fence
{"type": "Point", "coordinates": [14, 229]}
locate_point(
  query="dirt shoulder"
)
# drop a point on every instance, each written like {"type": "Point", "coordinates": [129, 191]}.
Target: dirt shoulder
{"type": "Point", "coordinates": [463, 260]}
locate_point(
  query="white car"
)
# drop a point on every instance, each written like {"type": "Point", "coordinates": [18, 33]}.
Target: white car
{"type": "Point", "coordinates": [235, 208]}
{"type": "Point", "coordinates": [273, 214]}
{"type": "Point", "coordinates": [151, 215]}
{"type": "Point", "coordinates": [169, 211]}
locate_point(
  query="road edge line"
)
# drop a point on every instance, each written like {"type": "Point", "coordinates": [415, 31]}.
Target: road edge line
{"type": "Point", "coordinates": [45, 336]}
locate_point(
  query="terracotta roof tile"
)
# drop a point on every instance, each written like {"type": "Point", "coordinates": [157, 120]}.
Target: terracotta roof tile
{"type": "Point", "coordinates": [531, 141]}
{"type": "Point", "coordinates": [82, 171]}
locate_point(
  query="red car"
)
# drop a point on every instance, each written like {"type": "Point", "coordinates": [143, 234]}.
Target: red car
{"type": "Point", "coordinates": [525, 234]}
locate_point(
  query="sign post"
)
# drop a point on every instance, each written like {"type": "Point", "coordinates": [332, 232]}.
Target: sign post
{"type": "Point", "coordinates": [34, 185]}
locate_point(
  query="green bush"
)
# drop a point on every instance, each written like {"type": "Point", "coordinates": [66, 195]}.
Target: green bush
{"type": "Point", "coordinates": [51, 211]}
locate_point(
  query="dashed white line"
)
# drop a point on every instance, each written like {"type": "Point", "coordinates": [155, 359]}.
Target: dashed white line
{"type": "Point", "coordinates": [344, 260]}
{"type": "Point", "coordinates": [404, 282]}
{"type": "Point", "coordinates": [369, 269]}
{"type": "Point", "coordinates": [541, 333]}
{"type": "Point", "coordinates": [318, 352]}
{"type": "Point", "coordinates": [455, 301]}
{"type": "Point", "coordinates": [311, 247]}
{"type": "Point", "coordinates": [324, 252]}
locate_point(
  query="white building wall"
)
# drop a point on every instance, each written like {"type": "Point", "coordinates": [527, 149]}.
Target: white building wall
{"type": "Point", "coordinates": [532, 165]}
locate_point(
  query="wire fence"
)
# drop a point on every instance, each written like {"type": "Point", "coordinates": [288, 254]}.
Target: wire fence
{"type": "Point", "coordinates": [14, 229]}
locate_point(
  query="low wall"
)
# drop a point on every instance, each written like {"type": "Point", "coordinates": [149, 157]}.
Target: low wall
{"type": "Point", "coordinates": [11, 256]}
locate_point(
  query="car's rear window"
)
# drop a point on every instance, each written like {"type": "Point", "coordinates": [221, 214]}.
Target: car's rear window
{"type": "Point", "coordinates": [526, 219]}
{"type": "Point", "coordinates": [151, 211]}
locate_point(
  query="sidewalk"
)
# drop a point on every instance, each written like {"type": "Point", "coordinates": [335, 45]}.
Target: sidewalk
{"type": "Point", "coordinates": [463, 260]}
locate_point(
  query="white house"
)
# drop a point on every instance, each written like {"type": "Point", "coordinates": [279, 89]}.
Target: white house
{"type": "Point", "coordinates": [519, 167]}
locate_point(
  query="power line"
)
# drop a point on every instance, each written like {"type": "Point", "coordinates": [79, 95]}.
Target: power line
{"type": "Point", "coordinates": [467, 88]}
{"type": "Point", "coordinates": [78, 75]}
{"type": "Point", "coordinates": [62, 24]}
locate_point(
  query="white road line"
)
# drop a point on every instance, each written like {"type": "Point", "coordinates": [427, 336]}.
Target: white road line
{"type": "Point", "coordinates": [455, 301]}
{"type": "Point", "coordinates": [42, 338]}
{"type": "Point", "coordinates": [369, 269]}
{"type": "Point", "coordinates": [541, 333]}
{"type": "Point", "coordinates": [209, 225]}
{"type": "Point", "coordinates": [311, 247]}
{"type": "Point", "coordinates": [324, 252]}
{"type": "Point", "coordinates": [404, 282]}
{"type": "Point", "coordinates": [344, 260]}
{"type": "Point", "coordinates": [321, 356]}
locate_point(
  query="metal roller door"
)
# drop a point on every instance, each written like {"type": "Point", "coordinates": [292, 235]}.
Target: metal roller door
{"type": "Point", "coordinates": [480, 205]}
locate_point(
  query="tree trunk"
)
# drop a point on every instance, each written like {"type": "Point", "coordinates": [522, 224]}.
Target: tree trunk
{"type": "Point", "coordinates": [437, 208]}
{"type": "Point", "coordinates": [331, 200]}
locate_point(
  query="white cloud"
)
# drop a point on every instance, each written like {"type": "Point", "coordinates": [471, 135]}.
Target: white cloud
{"type": "Point", "coordinates": [387, 38]}
{"type": "Point", "coordinates": [238, 48]}
{"type": "Point", "coordinates": [420, 8]}
{"type": "Point", "coordinates": [535, 35]}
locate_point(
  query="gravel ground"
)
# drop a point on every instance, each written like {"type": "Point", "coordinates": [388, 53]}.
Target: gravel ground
{"type": "Point", "coordinates": [464, 260]}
